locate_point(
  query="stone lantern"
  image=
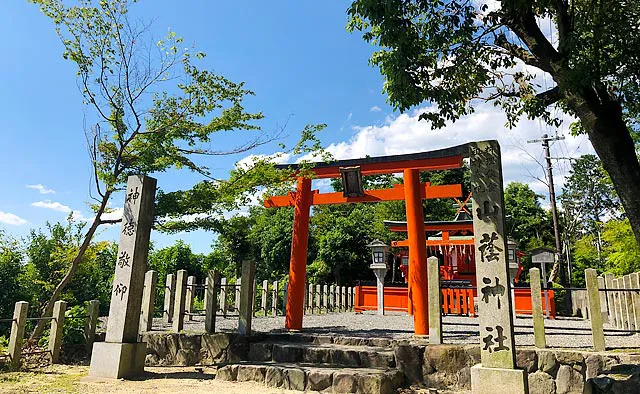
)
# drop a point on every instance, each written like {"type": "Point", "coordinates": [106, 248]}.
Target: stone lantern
{"type": "Point", "coordinates": [379, 266]}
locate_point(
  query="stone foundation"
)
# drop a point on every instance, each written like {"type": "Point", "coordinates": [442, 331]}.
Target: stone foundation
{"type": "Point", "coordinates": [436, 366]}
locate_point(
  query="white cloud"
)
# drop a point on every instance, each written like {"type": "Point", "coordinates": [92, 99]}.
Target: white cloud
{"type": "Point", "coordinates": [11, 219]}
{"type": "Point", "coordinates": [278, 158]}
{"type": "Point", "coordinates": [53, 205]}
{"type": "Point", "coordinates": [113, 214]}
{"type": "Point", "coordinates": [42, 189]}
{"type": "Point", "coordinates": [375, 108]}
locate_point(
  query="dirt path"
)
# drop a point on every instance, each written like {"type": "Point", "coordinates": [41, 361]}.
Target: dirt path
{"type": "Point", "coordinates": [174, 380]}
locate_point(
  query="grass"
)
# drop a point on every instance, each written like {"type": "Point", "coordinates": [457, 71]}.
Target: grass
{"type": "Point", "coordinates": [53, 379]}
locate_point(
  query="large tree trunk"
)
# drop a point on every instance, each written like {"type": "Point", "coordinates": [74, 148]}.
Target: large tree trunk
{"type": "Point", "coordinates": [40, 325]}
{"type": "Point", "coordinates": [602, 118]}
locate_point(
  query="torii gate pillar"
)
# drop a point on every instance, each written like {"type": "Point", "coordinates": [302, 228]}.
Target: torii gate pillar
{"type": "Point", "coordinates": [418, 295]}
{"type": "Point", "coordinates": [298, 262]}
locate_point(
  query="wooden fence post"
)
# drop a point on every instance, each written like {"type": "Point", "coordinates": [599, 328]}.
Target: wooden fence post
{"type": "Point", "coordinates": [255, 295]}
{"type": "Point", "coordinates": [237, 293]}
{"type": "Point", "coordinates": [628, 296]}
{"type": "Point", "coordinates": [635, 283]}
{"type": "Point", "coordinates": [608, 282]}
{"type": "Point", "coordinates": [211, 306]}
{"type": "Point", "coordinates": [223, 296]}
{"type": "Point", "coordinates": [17, 332]}
{"type": "Point", "coordinates": [90, 324]}
{"type": "Point", "coordinates": [148, 300]}
{"type": "Point", "coordinates": [265, 295]}
{"type": "Point", "coordinates": [191, 291]}
{"type": "Point", "coordinates": [332, 295]}
{"type": "Point", "coordinates": [539, 337]}
{"type": "Point", "coordinates": [180, 299]}
{"type": "Point", "coordinates": [595, 316]}
{"type": "Point", "coordinates": [55, 333]}
{"type": "Point", "coordinates": [603, 299]}
{"type": "Point", "coordinates": [169, 298]}
{"type": "Point", "coordinates": [318, 299]}
{"type": "Point", "coordinates": [274, 299]}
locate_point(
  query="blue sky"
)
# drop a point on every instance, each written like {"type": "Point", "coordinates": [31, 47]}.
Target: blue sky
{"type": "Point", "coordinates": [296, 56]}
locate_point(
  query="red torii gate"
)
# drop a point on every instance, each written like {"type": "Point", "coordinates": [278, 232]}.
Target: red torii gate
{"type": "Point", "coordinates": [412, 191]}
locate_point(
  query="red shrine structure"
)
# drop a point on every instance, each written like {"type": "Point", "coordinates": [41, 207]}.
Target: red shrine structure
{"type": "Point", "coordinates": [412, 192]}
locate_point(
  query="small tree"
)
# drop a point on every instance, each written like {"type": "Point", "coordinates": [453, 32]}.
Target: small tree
{"type": "Point", "coordinates": [155, 109]}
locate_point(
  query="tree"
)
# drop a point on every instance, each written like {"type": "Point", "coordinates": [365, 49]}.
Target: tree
{"type": "Point", "coordinates": [11, 270]}
{"type": "Point", "coordinates": [141, 129]}
{"type": "Point", "coordinates": [588, 198]}
{"type": "Point", "coordinates": [526, 221]}
{"type": "Point", "coordinates": [457, 54]}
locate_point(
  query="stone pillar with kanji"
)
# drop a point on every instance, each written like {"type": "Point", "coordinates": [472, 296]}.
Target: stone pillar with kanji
{"type": "Point", "coordinates": [121, 354]}
{"type": "Point", "coordinates": [497, 372]}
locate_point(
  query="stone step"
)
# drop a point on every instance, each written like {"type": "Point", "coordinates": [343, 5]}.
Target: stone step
{"type": "Point", "coordinates": [323, 339]}
{"type": "Point", "coordinates": [313, 377]}
{"type": "Point", "coordinates": [334, 354]}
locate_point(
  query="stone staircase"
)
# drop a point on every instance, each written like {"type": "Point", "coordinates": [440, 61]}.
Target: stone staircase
{"type": "Point", "coordinates": [319, 363]}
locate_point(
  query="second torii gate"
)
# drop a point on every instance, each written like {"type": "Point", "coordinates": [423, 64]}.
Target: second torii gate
{"type": "Point", "coordinates": [351, 172]}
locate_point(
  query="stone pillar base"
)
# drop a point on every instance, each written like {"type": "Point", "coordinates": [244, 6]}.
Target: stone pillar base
{"type": "Point", "coordinates": [497, 380]}
{"type": "Point", "coordinates": [117, 360]}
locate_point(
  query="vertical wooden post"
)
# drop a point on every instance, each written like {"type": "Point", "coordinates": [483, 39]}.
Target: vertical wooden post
{"type": "Point", "coordinates": [603, 299]}
{"type": "Point", "coordinates": [418, 293]}
{"type": "Point", "coordinates": [343, 294]}
{"type": "Point", "coordinates": [539, 337]}
{"type": "Point", "coordinates": [223, 297]}
{"type": "Point", "coordinates": [435, 317]}
{"type": "Point", "coordinates": [325, 298]}
{"type": "Point", "coordinates": [274, 299]}
{"type": "Point", "coordinates": [211, 306]}
{"type": "Point", "coordinates": [55, 333]}
{"type": "Point", "coordinates": [310, 299]}
{"type": "Point", "coordinates": [148, 300]}
{"type": "Point", "coordinates": [169, 298]}
{"type": "Point", "coordinates": [255, 295]}
{"type": "Point", "coordinates": [17, 332]}
{"type": "Point", "coordinates": [191, 291]}
{"type": "Point", "coordinates": [298, 262]}
{"type": "Point", "coordinates": [635, 283]}
{"type": "Point", "coordinates": [90, 324]}
{"type": "Point", "coordinates": [318, 297]}
{"type": "Point", "coordinates": [238, 292]}
{"type": "Point", "coordinates": [246, 297]}
{"type": "Point", "coordinates": [595, 316]}
{"type": "Point", "coordinates": [265, 295]}
{"type": "Point", "coordinates": [180, 300]}
{"type": "Point", "coordinates": [616, 303]}
{"type": "Point", "coordinates": [628, 296]}
{"type": "Point", "coordinates": [332, 297]}
{"type": "Point", "coordinates": [608, 281]}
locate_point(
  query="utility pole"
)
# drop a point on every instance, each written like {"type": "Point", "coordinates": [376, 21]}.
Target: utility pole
{"type": "Point", "coordinates": [554, 212]}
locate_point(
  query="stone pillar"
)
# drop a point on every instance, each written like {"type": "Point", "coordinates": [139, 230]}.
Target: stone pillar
{"type": "Point", "coordinates": [622, 305]}
{"type": "Point", "coordinates": [238, 291]}
{"type": "Point", "coordinates": [435, 310]}
{"type": "Point", "coordinates": [497, 351]}
{"type": "Point", "coordinates": [90, 324]}
{"type": "Point", "coordinates": [343, 298]}
{"type": "Point", "coordinates": [180, 301]}
{"type": "Point", "coordinates": [265, 295]}
{"type": "Point", "coordinates": [540, 339]}
{"type": "Point", "coordinates": [205, 297]}
{"type": "Point", "coordinates": [253, 300]}
{"type": "Point", "coordinates": [338, 300]}
{"type": "Point", "coordinates": [603, 299]}
{"type": "Point", "coordinates": [223, 297]}
{"type": "Point", "coordinates": [246, 297]}
{"type": "Point", "coordinates": [211, 306]}
{"type": "Point", "coordinates": [169, 298]}
{"type": "Point", "coordinates": [593, 296]}
{"type": "Point", "coordinates": [274, 299]}
{"type": "Point", "coordinates": [191, 291]}
{"type": "Point", "coordinates": [353, 298]}
{"type": "Point", "coordinates": [608, 281]}
{"type": "Point", "coordinates": [310, 298]}
{"type": "Point", "coordinates": [17, 332]}
{"type": "Point", "coordinates": [325, 298]}
{"type": "Point", "coordinates": [628, 296]}
{"type": "Point", "coordinates": [635, 295]}
{"type": "Point", "coordinates": [148, 300]}
{"type": "Point", "coordinates": [121, 355]}
{"type": "Point", "coordinates": [55, 333]}
{"type": "Point", "coordinates": [332, 297]}
{"type": "Point", "coordinates": [380, 270]}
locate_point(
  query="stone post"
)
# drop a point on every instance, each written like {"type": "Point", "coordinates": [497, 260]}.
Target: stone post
{"type": "Point", "coordinates": [332, 297]}
{"type": "Point", "coordinates": [380, 270]}
{"type": "Point", "coordinates": [265, 295]}
{"type": "Point", "coordinates": [593, 296]}
{"type": "Point", "coordinates": [274, 299]}
{"type": "Point", "coordinates": [318, 299]}
{"type": "Point", "coordinates": [608, 281]}
{"type": "Point", "coordinates": [497, 351]}
{"type": "Point", "coordinates": [121, 355]}
{"type": "Point", "coordinates": [90, 324]}
{"type": "Point", "coordinates": [310, 299]}
{"type": "Point", "coordinates": [17, 332]}
{"type": "Point", "coordinates": [435, 315]}
{"type": "Point", "coordinates": [169, 298]}
{"type": "Point", "coordinates": [205, 297]}
{"type": "Point", "coordinates": [622, 305]}
{"type": "Point", "coordinates": [635, 295]}
{"type": "Point", "coordinates": [211, 306]}
{"type": "Point", "coordinates": [540, 339]}
{"type": "Point", "coordinates": [325, 298]}
{"type": "Point", "coordinates": [180, 301]}
{"type": "Point", "coordinates": [191, 291]}
{"type": "Point", "coordinates": [238, 291]}
{"type": "Point", "coordinates": [616, 303]}
{"type": "Point", "coordinates": [628, 296]}
{"type": "Point", "coordinates": [285, 294]}
{"type": "Point", "coordinates": [353, 298]}
{"type": "Point", "coordinates": [603, 299]}
{"type": "Point", "coordinates": [223, 297]}
{"type": "Point", "coordinates": [255, 295]}
{"type": "Point", "coordinates": [246, 297]}
{"type": "Point", "coordinates": [148, 300]}
{"type": "Point", "coordinates": [338, 299]}
{"type": "Point", "coordinates": [55, 333]}
{"type": "Point", "coordinates": [343, 300]}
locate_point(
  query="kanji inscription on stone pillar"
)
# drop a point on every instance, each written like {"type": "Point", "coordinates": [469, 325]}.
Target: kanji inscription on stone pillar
{"type": "Point", "coordinates": [495, 314]}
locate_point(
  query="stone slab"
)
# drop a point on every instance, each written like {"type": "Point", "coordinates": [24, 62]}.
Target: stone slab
{"type": "Point", "coordinates": [117, 360]}
{"type": "Point", "coordinates": [498, 380]}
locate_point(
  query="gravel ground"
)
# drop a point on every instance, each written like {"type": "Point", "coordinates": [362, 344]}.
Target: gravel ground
{"type": "Point", "coordinates": [563, 332]}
